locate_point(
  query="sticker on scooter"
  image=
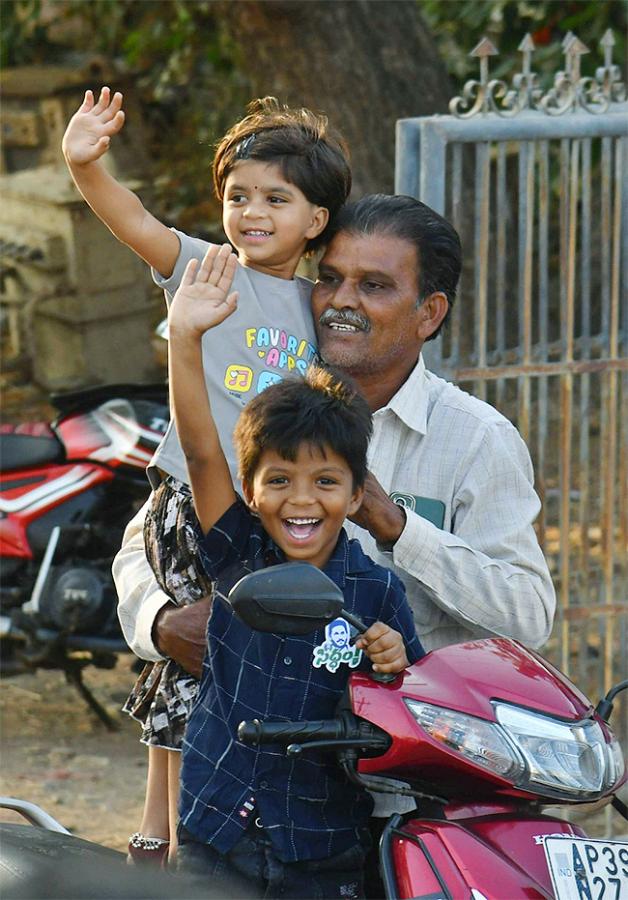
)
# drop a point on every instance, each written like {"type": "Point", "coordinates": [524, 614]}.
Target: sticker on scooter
{"type": "Point", "coordinates": [336, 649]}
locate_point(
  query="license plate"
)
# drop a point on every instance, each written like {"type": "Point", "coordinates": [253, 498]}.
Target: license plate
{"type": "Point", "coordinates": [583, 869]}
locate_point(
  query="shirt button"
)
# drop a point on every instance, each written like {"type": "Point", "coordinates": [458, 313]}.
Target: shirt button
{"type": "Point", "coordinates": [287, 660]}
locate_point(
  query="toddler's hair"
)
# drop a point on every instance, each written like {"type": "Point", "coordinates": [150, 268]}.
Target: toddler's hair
{"type": "Point", "coordinates": [323, 409]}
{"type": "Point", "coordinates": [309, 153]}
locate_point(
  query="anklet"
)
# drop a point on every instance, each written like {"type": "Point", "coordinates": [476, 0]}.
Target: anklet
{"type": "Point", "coordinates": [147, 850]}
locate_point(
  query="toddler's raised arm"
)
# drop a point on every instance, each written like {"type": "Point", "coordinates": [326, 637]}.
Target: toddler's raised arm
{"type": "Point", "coordinates": [86, 139]}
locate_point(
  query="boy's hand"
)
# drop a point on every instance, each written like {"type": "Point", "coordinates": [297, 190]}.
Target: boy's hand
{"type": "Point", "coordinates": [203, 299]}
{"type": "Point", "coordinates": [384, 647]}
{"type": "Point", "coordinates": [91, 128]}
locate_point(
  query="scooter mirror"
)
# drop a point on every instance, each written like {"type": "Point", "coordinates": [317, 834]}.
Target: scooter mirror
{"type": "Point", "coordinates": [291, 598]}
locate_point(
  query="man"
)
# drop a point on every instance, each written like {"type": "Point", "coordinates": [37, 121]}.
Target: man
{"type": "Point", "coordinates": [460, 535]}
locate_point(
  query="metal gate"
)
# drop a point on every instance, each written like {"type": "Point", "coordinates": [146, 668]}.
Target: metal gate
{"type": "Point", "coordinates": [535, 183]}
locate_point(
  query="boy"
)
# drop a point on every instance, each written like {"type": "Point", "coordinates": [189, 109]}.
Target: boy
{"type": "Point", "coordinates": [295, 826]}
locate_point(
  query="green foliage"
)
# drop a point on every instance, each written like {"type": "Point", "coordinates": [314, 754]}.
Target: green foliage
{"type": "Point", "coordinates": [23, 37]}
{"type": "Point", "coordinates": [184, 71]}
{"type": "Point", "coordinates": [458, 25]}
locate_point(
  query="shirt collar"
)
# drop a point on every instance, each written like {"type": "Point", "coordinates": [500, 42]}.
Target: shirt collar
{"type": "Point", "coordinates": [348, 558]}
{"type": "Point", "coordinates": [410, 403]}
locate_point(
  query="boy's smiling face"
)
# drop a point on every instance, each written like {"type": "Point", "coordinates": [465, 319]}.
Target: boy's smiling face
{"type": "Point", "coordinates": [267, 219]}
{"type": "Point", "coordinates": [303, 503]}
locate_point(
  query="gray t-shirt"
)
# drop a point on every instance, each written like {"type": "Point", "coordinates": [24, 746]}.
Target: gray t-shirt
{"type": "Point", "coordinates": [270, 334]}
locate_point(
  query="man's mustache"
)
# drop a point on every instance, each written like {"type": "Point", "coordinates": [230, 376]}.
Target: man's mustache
{"type": "Point", "coordinates": [345, 317]}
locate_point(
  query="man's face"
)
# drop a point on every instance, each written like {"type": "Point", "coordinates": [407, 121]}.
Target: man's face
{"type": "Point", "coordinates": [364, 305]}
{"type": "Point", "coordinates": [339, 636]}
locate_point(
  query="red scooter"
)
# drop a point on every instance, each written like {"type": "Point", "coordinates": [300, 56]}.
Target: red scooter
{"type": "Point", "coordinates": [67, 490]}
{"type": "Point", "coordinates": [485, 734]}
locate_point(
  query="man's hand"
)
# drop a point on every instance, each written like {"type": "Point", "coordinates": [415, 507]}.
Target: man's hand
{"type": "Point", "coordinates": [91, 128]}
{"type": "Point", "coordinates": [180, 633]}
{"type": "Point", "coordinates": [384, 519]}
{"type": "Point", "coordinates": [203, 299]}
{"type": "Point", "coordinates": [384, 647]}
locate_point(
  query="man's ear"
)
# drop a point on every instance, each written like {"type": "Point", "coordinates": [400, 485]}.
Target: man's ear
{"type": "Point", "coordinates": [320, 218]}
{"type": "Point", "coordinates": [431, 313]}
{"type": "Point", "coordinates": [249, 497]}
{"type": "Point", "coordinates": [356, 501]}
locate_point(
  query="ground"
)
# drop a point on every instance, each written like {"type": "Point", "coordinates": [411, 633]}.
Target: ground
{"type": "Point", "coordinates": [54, 751]}
{"type": "Point", "coordinates": [57, 754]}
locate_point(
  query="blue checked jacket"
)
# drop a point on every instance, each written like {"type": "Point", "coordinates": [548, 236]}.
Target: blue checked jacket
{"type": "Point", "coordinates": [307, 806]}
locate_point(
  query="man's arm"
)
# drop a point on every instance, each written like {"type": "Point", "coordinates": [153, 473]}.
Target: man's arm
{"type": "Point", "coordinates": [488, 573]}
{"type": "Point", "coordinates": [140, 597]}
{"type": "Point", "coordinates": [202, 302]}
{"type": "Point", "coordinates": [151, 624]}
{"type": "Point", "coordinates": [86, 140]}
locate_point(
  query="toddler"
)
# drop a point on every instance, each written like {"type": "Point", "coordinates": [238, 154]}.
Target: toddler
{"type": "Point", "coordinates": [280, 174]}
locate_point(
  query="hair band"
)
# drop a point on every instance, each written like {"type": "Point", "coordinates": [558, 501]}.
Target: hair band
{"type": "Point", "coordinates": [243, 150]}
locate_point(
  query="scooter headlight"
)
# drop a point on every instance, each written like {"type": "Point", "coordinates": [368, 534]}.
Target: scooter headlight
{"type": "Point", "coordinates": [562, 759]}
{"type": "Point", "coordinates": [567, 760]}
{"type": "Point", "coordinates": [480, 741]}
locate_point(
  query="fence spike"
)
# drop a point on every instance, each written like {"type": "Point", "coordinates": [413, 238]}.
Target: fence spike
{"type": "Point", "coordinates": [485, 48]}
{"type": "Point", "coordinates": [577, 48]}
{"type": "Point", "coordinates": [607, 43]}
{"type": "Point", "coordinates": [527, 48]}
{"type": "Point", "coordinates": [574, 51]}
{"type": "Point", "coordinates": [570, 91]}
{"type": "Point", "coordinates": [527, 45]}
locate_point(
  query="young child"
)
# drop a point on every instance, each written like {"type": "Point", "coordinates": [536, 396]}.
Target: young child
{"type": "Point", "coordinates": [280, 174]}
{"type": "Point", "coordinates": [293, 825]}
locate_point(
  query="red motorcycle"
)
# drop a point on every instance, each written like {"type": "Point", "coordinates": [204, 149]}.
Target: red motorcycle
{"type": "Point", "coordinates": [67, 490]}
{"type": "Point", "coordinates": [485, 734]}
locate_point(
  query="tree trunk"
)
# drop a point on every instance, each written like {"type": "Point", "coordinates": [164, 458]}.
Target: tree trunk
{"type": "Point", "coordinates": [365, 64]}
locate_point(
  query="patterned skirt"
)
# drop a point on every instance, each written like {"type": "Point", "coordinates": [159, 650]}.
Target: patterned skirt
{"type": "Point", "coordinates": [163, 694]}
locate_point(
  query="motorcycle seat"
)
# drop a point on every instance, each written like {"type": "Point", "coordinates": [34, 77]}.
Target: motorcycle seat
{"type": "Point", "coordinates": [35, 862]}
{"type": "Point", "coordinates": [68, 402]}
{"type": "Point", "coordinates": [23, 451]}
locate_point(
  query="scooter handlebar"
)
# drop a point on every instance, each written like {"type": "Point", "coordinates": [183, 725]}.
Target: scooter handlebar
{"type": "Point", "coordinates": [255, 732]}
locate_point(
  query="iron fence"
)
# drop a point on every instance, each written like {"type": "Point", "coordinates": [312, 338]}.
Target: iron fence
{"type": "Point", "coordinates": [535, 183]}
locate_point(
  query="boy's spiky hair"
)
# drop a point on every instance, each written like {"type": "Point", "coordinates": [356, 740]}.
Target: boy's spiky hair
{"type": "Point", "coordinates": [323, 409]}
{"type": "Point", "coordinates": [309, 153]}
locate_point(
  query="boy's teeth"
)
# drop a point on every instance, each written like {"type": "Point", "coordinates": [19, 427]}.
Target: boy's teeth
{"type": "Point", "coordinates": [301, 529]}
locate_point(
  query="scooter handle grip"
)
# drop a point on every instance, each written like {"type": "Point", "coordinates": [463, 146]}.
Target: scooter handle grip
{"type": "Point", "coordinates": [256, 732]}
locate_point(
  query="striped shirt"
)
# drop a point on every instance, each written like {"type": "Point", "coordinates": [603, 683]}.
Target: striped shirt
{"type": "Point", "coordinates": [477, 570]}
